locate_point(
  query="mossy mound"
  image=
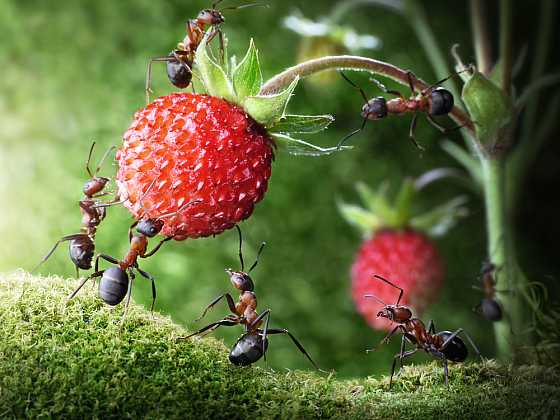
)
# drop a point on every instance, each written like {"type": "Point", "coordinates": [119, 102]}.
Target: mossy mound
{"type": "Point", "coordinates": [76, 360]}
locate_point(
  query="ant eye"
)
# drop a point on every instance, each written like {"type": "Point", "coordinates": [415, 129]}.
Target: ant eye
{"type": "Point", "coordinates": [442, 102]}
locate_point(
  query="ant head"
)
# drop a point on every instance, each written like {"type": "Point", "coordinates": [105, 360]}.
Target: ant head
{"type": "Point", "coordinates": [487, 267]}
{"type": "Point", "coordinates": [441, 101]}
{"type": "Point", "coordinates": [95, 185]}
{"type": "Point", "coordinates": [375, 108]}
{"type": "Point", "coordinates": [211, 17]}
{"type": "Point", "coordinates": [241, 280]}
{"type": "Point", "coordinates": [150, 227]}
{"type": "Point", "coordinates": [395, 313]}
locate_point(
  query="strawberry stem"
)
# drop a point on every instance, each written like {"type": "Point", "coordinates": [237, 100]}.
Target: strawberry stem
{"type": "Point", "coordinates": [351, 62]}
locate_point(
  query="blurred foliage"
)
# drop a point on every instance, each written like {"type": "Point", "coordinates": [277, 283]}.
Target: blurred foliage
{"type": "Point", "coordinates": [74, 71]}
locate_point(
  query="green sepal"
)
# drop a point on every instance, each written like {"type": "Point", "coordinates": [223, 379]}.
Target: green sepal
{"type": "Point", "coordinates": [403, 203]}
{"type": "Point", "coordinates": [213, 76]}
{"type": "Point", "coordinates": [247, 76]}
{"type": "Point", "coordinates": [377, 202]}
{"type": "Point", "coordinates": [299, 147]}
{"type": "Point", "coordinates": [304, 124]}
{"type": "Point", "coordinates": [439, 220]}
{"type": "Point", "coordinates": [268, 109]}
{"type": "Point", "coordinates": [488, 107]}
{"type": "Point", "coordinates": [357, 216]}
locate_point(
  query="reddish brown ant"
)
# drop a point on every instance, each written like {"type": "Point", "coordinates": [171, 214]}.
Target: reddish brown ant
{"type": "Point", "coordinates": [115, 285]}
{"type": "Point", "coordinates": [181, 59]}
{"type": "Point", "coordinates": [489, 307]}
{"type": "Point", "coordinates": [444, 345]}
{"type": "Point", "coordinates": [82, 245]}
{"type": "Point", "coordinates": [432, 101]}
{"type": "Point", "coordinates": [252, 345]}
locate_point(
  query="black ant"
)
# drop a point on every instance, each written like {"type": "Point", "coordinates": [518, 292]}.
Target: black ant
{"type": "Point", "coordinates": [115, 285]}
{"type": "Point", "coordinates": [432, 101]}
{"type": "Point", "coordinates": [489, 307]}
{"type": "Point", "coordinates": [82, 245]}
{"type": "Point", "coordinates": [252, 345]}
{"type": "Point", "coordinates": [181, 59]}
{"type": "Point", "coordinates": [444, 345]}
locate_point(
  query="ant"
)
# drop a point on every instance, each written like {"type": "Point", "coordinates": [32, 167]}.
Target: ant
{"type": "Point", "coordinates": [489, 307]}
{"type": "Point", "coordinates": [181, 59]}
{"type": "Point", "coordinates": [252, 345]}
{"type": "Point", "coordinates": [115, 285]}
{"type": "Point", "coordinates": [432, 101]}
{"type": "Point", "coordinates": [82, 245]}
{"type": "Point", "coordinates": [444, 345]}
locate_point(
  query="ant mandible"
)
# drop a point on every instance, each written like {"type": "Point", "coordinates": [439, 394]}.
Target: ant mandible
{"type": "Point", "coordinates": [432, 101]}
{"type": "Point", "coordinates": [181, 59]}
{"type": "Point", "coordinates": [489, 307]}
{"type": "Point", "coordinates": [115, 284]}
{"type": "Point", "coordinates": [444, 345]}
{"type": "Point", "coordinates": [82, 245]}
{"type": "Point", "coordinates": [252, 345]}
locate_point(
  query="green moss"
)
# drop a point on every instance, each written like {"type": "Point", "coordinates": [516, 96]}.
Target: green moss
{"type": "Point", "coordinates": [75, 360]}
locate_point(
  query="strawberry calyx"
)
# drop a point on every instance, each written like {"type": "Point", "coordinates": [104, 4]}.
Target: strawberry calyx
{"type": "Point", "coordinates": [241, 83]}
{"type": "Point", "coordinates": [382, 211]}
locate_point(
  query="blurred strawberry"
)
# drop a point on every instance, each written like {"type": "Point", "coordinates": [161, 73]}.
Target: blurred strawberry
{"type": "Point", "coordinates": [397, 247]}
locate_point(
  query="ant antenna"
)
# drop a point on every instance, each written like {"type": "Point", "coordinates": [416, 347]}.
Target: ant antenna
{"type": "Point", "coordinates": [109, 150]}
{"type": "Point", "coordinates": [243, 6]}
{"type": "Point", "coordinates": [240, 244]}
{"type": "Point", "coordinates": [430, 88]}
{"type": "Point", "coordinates": [92, 175]}
{"type": "Point", "coordinates": [364, 96]}
{"type": "Point", "coordinates": [182, 208]}
{"type": "Point", "coordinates": [216, 3]}
{"type": "Point", "coordinates": [391, 284]}
{"type": "Point", "coordinates": [376, 298]}
{"type": "Point", "coordinates": [263, 244]}
{"type": "Point", "coordinates": [89, 158]}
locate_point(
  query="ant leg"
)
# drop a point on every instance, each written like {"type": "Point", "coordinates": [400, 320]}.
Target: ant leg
{"type": "Point", "coordinates": [94, 275]}
{"type": "Point", "coordinates": [411, 132]}
{"type": "Point", "coordinates": [296, 342]}
{"type": "Point", "coordinates": [158, 246]}
{"type": "Point", "coordinates": [226, 322]}
{"type": "Point", "coordinates": [398, 355]}
{"type": "Point", "coordinates": [411, 77]}
{"type": "Point", "coordinates": [106, 258]}
{"type": "Point", "coordinates": [148, 276]}
{"type": "Point", "coordinates": [253, 326]}
{"type": "Point", "coordinates": [477, 288]}
{"type": "Point", "coordinates": [385, 340]}
{"type": "Point", "coordinates": [147, 87]}
{"type": "Point", "coordinates": [345, 138]}
{"type": "Point", "coordinates": [130, 233]}
{"type": "Point", "coordinates": [478, 309]}
{"type": "Point", "coordinates": [63, 239]}
{"type": "Point", "coordinates": [77, 272]}
{"type": "Point", "coordinates": [431, 327]}
{"type": "Point", "coordinates": [441, 128]}
{"type": "Point", "coordinates": [230, 302]}
{"type": "Point", "coordinates": [128, 296]}
{"type": "Point", "coordinates": [384, 88]}
{"type": "Point", "coordinates": [452, 336]}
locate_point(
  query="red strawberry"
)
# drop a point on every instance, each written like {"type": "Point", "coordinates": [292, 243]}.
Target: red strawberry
{"type": "Point", "coordinates": [398, 248]}
{"type": "Point", "coordinates": [408, 259]}
{"type": "Point", "coordinates": [196, 147]}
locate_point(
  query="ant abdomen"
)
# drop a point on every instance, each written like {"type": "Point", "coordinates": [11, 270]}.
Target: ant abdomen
{"type": "Point", "coordinates": [178, 73]}
{"type": "Point", "coordinates": [247, 350]}
{"type": "Point", "coordinates": [456, 349]}
{"type": "Point", "coordinates": [441, 102]}
{"type": "Point", "coordinates": [113, 286]}
{"type": "Point", "coordinates": [81, 252]}
{"type": "Point", "coordinates": [491, 310]}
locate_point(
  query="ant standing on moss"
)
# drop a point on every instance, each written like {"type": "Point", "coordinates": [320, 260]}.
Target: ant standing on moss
{"type": "Point", "coordinates": [444, 345]}
{"type": "Point", "coordinates": [82, 245]}
{"type": "Point", "coordinates": [252, 345]}
{"type": "Point", "coordinates": [432, 101]}
{"type": "Point", "coordinates": [181, 59]}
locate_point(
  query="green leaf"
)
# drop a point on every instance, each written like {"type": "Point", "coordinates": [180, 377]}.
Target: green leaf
{"type": "Point", "coordinates": [302, 148]}
{"type": "Point", "coordinates": [357, 216]}
{"type": "Point", "coordinates": [213, 76]}
{"type": "Point", "coordinates": [308, 124]}
{"type": "Point", "coordinates": [268, 109]}
{"type": "Point", "coordinates": [247, 76]}
{"type": "Point", "coordinates": [488, 107]}
{"type": "Point", "coordinates": [438, 221]}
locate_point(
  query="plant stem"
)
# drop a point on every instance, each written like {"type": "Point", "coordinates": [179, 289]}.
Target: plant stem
{"type": "Point", "coordinates": [481, 39]}
{"type": "Point", "coordinates": [350, 62]}
{"type": "Point", "coordinates": [342, 8]}
{"type": "Point", "coordinates": [506, 46]}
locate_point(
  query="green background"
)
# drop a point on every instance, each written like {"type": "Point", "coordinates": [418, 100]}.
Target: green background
{"type": "Point", "coordinates": [74, 71]}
